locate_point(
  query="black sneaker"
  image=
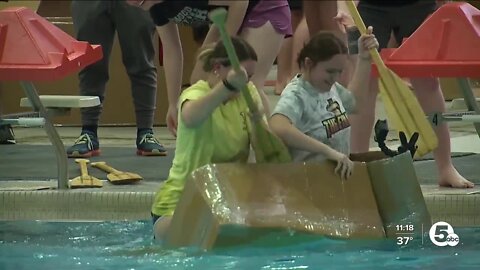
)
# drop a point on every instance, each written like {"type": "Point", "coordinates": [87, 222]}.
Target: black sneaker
{"type": "Point", "coordinates": [6, 135]}
{"type": "Point", "coordinates": [86, 145]}
{"type": "Point", "coordinates": [147, 145]}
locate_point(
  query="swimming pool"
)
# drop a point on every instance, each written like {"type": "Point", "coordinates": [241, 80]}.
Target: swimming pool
{"type": "Point", "coordinates": [129, 245]}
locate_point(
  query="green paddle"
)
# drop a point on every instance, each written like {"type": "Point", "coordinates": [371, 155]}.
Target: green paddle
{"type": "Point", "coordinates": [267, 146]}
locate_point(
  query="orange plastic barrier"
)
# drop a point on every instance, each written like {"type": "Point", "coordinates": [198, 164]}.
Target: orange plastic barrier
{"type": "Point", "coordinates": [33, 49]}
{"type": "Point", "coordinates": [445, 45]}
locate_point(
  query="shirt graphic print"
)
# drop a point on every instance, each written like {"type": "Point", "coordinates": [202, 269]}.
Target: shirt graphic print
{"type": "Point", "coordinates": [191, 16]}
{"type": "Point", "coordinates": [338, 122]}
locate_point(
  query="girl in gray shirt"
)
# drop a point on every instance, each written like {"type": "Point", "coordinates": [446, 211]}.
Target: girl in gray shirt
{"type": "Point", "coordinates": [311, 116]}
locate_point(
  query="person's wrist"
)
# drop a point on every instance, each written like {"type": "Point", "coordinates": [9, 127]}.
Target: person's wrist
{"type": "Point", "coordinates": [229, 86]}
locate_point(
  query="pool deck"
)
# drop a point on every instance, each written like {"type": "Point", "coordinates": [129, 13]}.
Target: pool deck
{"type": "Point", "coordinates": [39, 200]}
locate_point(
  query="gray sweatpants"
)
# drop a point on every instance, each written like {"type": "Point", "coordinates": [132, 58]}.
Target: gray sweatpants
{"type": "Point", "coordinates": [96, 22]}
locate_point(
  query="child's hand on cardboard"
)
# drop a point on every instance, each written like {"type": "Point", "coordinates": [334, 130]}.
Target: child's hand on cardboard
{"type": "Point", "coordinates": [344, 167]}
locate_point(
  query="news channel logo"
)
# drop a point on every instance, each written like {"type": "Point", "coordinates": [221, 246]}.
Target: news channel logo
{"type": "Point", "coordinates": [442, 234]}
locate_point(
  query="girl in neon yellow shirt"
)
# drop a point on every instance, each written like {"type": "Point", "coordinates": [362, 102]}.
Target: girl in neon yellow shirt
{"type": "Point", "coordinates": [212, 124]}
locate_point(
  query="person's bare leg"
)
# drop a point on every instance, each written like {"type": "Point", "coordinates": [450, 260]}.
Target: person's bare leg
{"type": "Point", "coordinates": [266, 42]}
{"type": "Point", "coordinates": [284, 64]}
{"type": "Point", "coordinates": [160, 227]}
{"type": "Point", "coordinates": [319, 15]}
{"type": "Point", "coordinates": [300, 38]}
{"type": "Point", "coordinates": [430, 96]}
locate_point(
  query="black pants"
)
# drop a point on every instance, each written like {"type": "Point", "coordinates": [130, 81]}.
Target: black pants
{"type": "Point", "coordinates": [96, 22]}
{"type": "Point", "coordinates": [401, 20]}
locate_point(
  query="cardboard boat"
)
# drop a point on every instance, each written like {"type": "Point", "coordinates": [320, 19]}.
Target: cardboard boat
{"type": "Point", "coordinates": [231, 204]}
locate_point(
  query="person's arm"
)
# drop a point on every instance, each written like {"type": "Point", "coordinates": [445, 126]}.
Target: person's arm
{"type": "Point", "coordinates": [294, 138]}
{"type": "Point", "coordinates": [236, 14]}
{"type": "Point", "coordinates": [343, 17]}
{"type": "Point", "coordinates": [359, 83]}
{"type": "Point", "coordinates": [173, 66]}
{"type": "Point", "coordinates": [195, 112]}
{"type": "Point", "coordinates": [286, 116]}
{"type": "Point", "coordinates": [288, 112]}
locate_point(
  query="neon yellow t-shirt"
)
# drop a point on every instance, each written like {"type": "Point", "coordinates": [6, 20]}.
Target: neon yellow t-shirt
{"type": "Point", "coordinates": [223, 137]}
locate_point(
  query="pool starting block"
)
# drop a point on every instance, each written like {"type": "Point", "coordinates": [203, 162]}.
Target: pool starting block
{"type": "Point", "coordinates": [62, 104]}
{"type": "Point", "coordinates": [33, 49]}
{"type": "Point", "coordinates": [459, 104]}
{"type": "Point", "coordinates": [438, 118]}
{"type": "Point", "coordinates": [445, 46]}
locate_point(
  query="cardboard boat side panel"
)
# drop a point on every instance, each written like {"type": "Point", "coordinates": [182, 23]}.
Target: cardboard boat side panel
{"type": "Point", "coordinates": [399, 196]}
{"type": "Point", "coordinates": [307, 198]}
{"type": "Point", "coordinates": [195, 225]}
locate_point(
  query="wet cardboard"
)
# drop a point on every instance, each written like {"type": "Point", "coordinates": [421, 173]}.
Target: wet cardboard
{"type": "Point", "coordinates": [229, 204]}
{"type": "Point", "coordinates": [232, 204]}
{"type": "Point", "coordinates": [397, 192]}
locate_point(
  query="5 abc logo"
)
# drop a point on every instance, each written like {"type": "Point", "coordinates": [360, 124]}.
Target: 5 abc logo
{"type": "Point", "coordinates": [442, 234]}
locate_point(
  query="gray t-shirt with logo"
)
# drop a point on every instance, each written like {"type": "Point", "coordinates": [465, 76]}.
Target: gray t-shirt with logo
{"type": "Point", "coordinates": [320, 115]}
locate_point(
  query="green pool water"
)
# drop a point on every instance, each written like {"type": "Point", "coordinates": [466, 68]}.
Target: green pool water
{"type": "Point", "coordinates": [129, 245]}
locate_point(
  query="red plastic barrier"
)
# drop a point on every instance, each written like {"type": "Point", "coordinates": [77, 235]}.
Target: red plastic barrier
{"type": "Point", "coordinates": [447, 44]}
{"type": "Point", "coordinates": [33, 49]}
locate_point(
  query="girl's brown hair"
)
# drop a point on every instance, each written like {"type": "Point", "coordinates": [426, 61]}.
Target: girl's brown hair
{"type": "Point", "coordinates": [322, 47]}
{"type": "Point", "coordinates": [218, 54]}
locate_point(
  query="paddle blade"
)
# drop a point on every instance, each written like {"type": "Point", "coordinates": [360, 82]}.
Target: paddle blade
{"type": "Point", "coordinates": [123, 178]}
{"type": "Point", "coordinates": [267, 146]}
{"type": "Point", "coordinates": [405, 113]}
{"type": "Point", "coordinates": [85, 182]}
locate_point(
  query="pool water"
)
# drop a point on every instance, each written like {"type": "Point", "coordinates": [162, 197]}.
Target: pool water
{"type": "Point", "coordinates": [129, 245]}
